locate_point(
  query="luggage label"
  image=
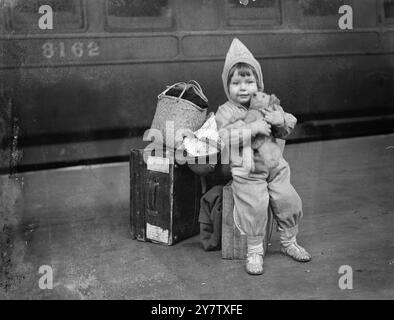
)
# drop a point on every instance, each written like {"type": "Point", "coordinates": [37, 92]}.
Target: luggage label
{"type": "Point", "coordinates": [156, 233]}
{"type": "Point", "coordinates": [158, 164]}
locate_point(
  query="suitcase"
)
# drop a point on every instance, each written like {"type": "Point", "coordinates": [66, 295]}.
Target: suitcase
{"type": "Point", "coordinates": [164, 198]}
{"type": "Point", "coordinates": [233, 243]}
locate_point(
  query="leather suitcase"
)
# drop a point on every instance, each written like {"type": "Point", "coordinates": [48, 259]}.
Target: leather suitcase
{"type": "Point", "coordinates": [164, 199]}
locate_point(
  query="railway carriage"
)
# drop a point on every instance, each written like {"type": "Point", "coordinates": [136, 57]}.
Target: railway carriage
{"type": "Point", "coordinates": [85, 91]}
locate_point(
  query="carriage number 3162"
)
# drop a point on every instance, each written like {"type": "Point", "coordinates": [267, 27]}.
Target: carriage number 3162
{"type": "Point", "coordinates": [77, 49]}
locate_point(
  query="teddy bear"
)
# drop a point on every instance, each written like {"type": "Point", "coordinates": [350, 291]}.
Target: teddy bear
{"type": "Point", "coordinates": [265, 150]}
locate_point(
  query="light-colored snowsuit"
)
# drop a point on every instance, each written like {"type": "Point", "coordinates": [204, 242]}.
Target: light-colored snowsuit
{"type": "Point", "coordinates": [254, 191]}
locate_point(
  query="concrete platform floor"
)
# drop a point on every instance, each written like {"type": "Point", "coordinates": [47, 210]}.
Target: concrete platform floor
{"type": "Point", "coordinates": [76, 221]}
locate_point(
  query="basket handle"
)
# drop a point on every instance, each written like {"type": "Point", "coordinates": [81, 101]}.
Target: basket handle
{"type": "Point", "coordinates": [196, 84]}
{"type": "Point", "coordinates": [191, 83]}
{"type": "Point", "coordinates": [173, 86]}
{"type": "Point", "coordinates": [197, 88]}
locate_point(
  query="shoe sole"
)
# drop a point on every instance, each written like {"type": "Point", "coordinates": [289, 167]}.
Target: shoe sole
{"type": "Point", "coordinates": [254, 274]}
{"type": "Point", "coordinates": [295, 259]}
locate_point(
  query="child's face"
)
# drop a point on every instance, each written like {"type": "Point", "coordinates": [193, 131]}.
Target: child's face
{"type": "Point", "coordinates": [241, 88]}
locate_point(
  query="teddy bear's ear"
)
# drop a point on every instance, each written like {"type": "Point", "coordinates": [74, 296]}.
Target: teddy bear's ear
{"type": "Point", "coordinates": [274, 99]}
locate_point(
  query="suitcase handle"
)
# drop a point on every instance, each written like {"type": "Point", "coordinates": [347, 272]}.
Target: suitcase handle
{"type": "Point", "coordinates": [152, 196]}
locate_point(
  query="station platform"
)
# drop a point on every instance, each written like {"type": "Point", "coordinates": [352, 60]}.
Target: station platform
{"type": "Point", "coordinates": [76, 221]}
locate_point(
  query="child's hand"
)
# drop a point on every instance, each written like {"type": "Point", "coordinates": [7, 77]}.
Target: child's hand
{"type": "Point", "coordinates": [261, 127]}
{"type": "Point", "coordinates": [265, 128]}
{"type": "Point", "coordinates": [274, 117]}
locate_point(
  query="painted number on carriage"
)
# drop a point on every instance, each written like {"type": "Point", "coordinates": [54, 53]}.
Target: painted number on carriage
{"type": "Point", "coordinates": [74, 50]}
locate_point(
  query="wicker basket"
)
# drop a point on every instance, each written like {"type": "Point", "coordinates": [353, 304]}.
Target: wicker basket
{"type": "Point", "coordinates": [174, 115]}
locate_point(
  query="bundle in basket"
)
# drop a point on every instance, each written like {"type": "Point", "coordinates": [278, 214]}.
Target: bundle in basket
{"type": "Point", "coordinates": [181, 107]}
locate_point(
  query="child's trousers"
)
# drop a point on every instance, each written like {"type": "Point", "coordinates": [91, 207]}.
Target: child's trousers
{"type": "Point", "coordinates": [253, 192]}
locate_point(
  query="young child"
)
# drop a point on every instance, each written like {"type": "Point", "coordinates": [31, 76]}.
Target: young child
{"type": "Point", "coordinates": [254, 190]}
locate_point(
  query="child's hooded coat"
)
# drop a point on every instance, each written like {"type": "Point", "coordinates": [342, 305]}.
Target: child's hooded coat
{"type": "Point", "coordinates": [229, 116]}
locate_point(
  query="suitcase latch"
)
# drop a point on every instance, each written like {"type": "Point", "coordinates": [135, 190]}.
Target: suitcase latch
{"type": "Point", "coordinates": [152, 197]}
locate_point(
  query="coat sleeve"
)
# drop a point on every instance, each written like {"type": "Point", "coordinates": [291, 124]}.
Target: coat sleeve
{"type": "Point", "coordinates": [288, 126]}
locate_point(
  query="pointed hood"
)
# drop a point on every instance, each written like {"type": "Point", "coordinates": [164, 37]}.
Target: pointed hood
{"type": "Point", "coordinates": [238, 52]}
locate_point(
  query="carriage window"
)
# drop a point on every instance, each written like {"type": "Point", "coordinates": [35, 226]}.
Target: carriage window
{"type": "Point", "coordinates": [258, 12]}
{"type": "Point", "coordinates": [139, 14]}
{"type": "Point", "coordinates": [67, 14]}
{"type": "Point", "coordinates": [388, 7]}
{"type": "Point", "coordinates": [2, 20]}
{"type": "Point", "coordinates": [320, 8]}
{"type": "Point", "coordinates": [207, 12]}
{"type": "Point", "coordinates": [319, 14]}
